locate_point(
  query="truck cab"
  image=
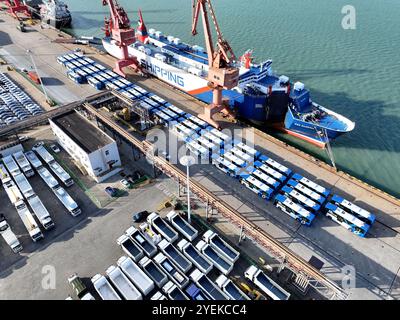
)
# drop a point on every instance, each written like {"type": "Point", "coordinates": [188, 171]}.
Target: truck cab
{"type": "Point", "coordinates": [9, 236]}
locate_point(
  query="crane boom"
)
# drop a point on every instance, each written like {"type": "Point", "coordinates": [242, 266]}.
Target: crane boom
{"type": "Point", "coordinates": [119, 28]}
{"type": "Point", "coordinates": [222, 74]}
{"type": "Point", "coordinates": [15, 6]}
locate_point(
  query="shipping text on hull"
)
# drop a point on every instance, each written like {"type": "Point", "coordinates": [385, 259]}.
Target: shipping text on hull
{"type": "Point", "coordinates": [261, 97]}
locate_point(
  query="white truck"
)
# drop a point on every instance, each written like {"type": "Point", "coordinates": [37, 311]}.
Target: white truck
{"type": "Point", "coordinates": [61, 174]}
{"type": "Point", "coordinates": [41, 212]}
{"type": "Point", "coordinates": [173, 292]}
{"type": "Point", "coordinates": [176, 257]}
{"type": "Point", "coordinates": [9, 236]}
{"type": "Point", "coordinates": [16, 199]}
{"type": "Point", "coordinates": [43, 153]}
{"type": "Point", "coordinates": [130, 247]}
{"type": "Point", "coordinates": [230, 289]}
{"type": "Point", "coordinates": [199, 260]}
{"type": "Point", "coordinates": [122, 283]}
{"type": "Point", "coordinates": [266, 284]}
{"type": "Point", "coordinates": [35, 203]}
{"type": "Point", "coordinates": [136, 275]}
{"type": "Point", "coordinates": [47, 177]}
{"type": "Point", "coordinates": [180, 224]}
{"type": "Point", "coordinates": [33, 159]}
{"type": "Point", "coordinates": [104, 288]}
{"type": "Point", "coordinates": [161, 227]}
{"type": "Point", "coordinates": [208, 286]}
{"type": "Point", "coordinates": [166, 265]}
{"type": "Point", "coordinates": [28, 221]}
{"type": "Point", "coordinates": [23, 164]}
{"type": "Point", "coordinates": [4, 175]}
{"type": "Point", "coordinates": [67, 201]}
{"type": "Point", "coordinates": [11, 166]}
{"type": "Point", "coordinates": [219, 261]}
{"type": "Point", "coordinates": [145, 244]}
{"type": "Point", "coordinates": [219, 245]}
{"type": "Point", "coordinates": [153, 271]}
{"type": "Point", "coordinates": [158, 296]}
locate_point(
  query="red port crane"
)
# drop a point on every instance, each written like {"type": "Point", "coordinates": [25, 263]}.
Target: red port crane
{"type": "Point", "coordinates": [119, 28]}
{"type": "Point", "coordinates": [15, 6]}
{"type": "Point", "coordinates": [222, 73]}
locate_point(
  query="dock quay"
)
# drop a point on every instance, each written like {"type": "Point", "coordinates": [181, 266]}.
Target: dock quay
{"type": "Point", "coordinates": [373, 262]}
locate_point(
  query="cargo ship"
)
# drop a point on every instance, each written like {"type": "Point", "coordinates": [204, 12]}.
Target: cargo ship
{"type": "Point", "coordinates": [55, 13]}
{"type": "Point", "coordinates": [261, 97]}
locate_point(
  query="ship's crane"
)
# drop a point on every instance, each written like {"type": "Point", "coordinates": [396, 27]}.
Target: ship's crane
{"type": "Point", "coordinates": [222, 73]}
{"type": "Point", "coordinates": [15, 6]}
{"type": "Point", "coordinates": [119, 28]}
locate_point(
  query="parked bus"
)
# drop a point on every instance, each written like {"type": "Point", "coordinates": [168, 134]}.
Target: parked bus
{"type": "Point", "coordinates": [353, 209]}
{"type": "Point", "coordinates": [294, 210]}
{"type": "Point", "coordinates": [300, 199]}
{"type": "Point", "coordinates": [312, 185]}
{"type": "Point", "coordinates": [275, 165]}
{"type": "Point", "coordinates": [346, 220]}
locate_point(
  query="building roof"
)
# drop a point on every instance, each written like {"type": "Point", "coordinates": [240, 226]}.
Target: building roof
{"type": "Point", "coordinates": [82, 132]}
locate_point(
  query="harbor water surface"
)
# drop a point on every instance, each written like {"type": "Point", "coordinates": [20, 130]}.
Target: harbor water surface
{"type": "Point", "coordinates": [355, 72]}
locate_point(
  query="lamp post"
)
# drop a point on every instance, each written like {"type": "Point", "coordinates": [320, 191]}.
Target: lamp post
{"type": "Point", "coordinates": [187, 161]}
{"type": "Point", "coordinates": [36, 70]}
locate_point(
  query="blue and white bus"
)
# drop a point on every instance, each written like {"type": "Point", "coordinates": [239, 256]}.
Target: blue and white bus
{"type": "Point", "coordinates": [218, 142]}
{"type": "Point", "coordinates": [258, 187]}
{"type": "Point", "coordinates": [175, 109]}
{"type": "Point", "coordinates": [306, 191]}
{"type": "Point", "coordinates": [244, 156]}
{"type": "Point", "coordinates": [248, 150]}
{"type": "Point", "coordinates": [192, 126]}
{"type": "Point", "coordinates": [269, 171]}
{"type": "Point", "coordinates": [201, 123]}
{"type": "Point", "coordinates": [302, 200]}
{"type": "Point", "coordinates": [294, 210]}
{"type": "Point", "coordinates": [312, 185]}
{"type": "Point", "coordinates": [211, 147]}
{"type": "Point", "coordinates": [158, 99]}
{"type": "Point", "coordinates": [353, 209]}
{"type": "Point", "coordinates": [198, 150]}
{"type": "Point", "coordinates": [224, 137]}
{"type": "Point", "coordinates": [225, 166]}
{"type": "Point", "coordinates": [346, 220]}
{"type": "Point", "coordinates": [183, 132]}
{"type": "Point", "coordinates": [265, 178]}
{"type": "Point", "coordinates": [232, 158]}
{"type": "Point", "coordinates": [275, 165]}
{"type": "Point", "coordinates": [162, 117]}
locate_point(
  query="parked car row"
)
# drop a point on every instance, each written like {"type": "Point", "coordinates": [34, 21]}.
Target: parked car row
{"type": "Point", "coordinates": [15, 104]}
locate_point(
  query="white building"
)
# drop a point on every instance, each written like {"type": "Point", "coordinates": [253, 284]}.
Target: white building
{"type": "Point", "coordinates": [95, 151]}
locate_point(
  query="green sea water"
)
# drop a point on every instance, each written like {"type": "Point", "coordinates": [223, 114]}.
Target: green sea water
{"type": "Point", "coordinates": [353, 72]}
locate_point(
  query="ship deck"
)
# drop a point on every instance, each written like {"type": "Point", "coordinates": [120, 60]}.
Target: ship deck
{"type": "Point", "coordinates": [376, 259]}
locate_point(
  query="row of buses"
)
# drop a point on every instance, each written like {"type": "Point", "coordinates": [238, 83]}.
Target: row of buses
{"type": "Point", "coordinates": [294, 194]}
